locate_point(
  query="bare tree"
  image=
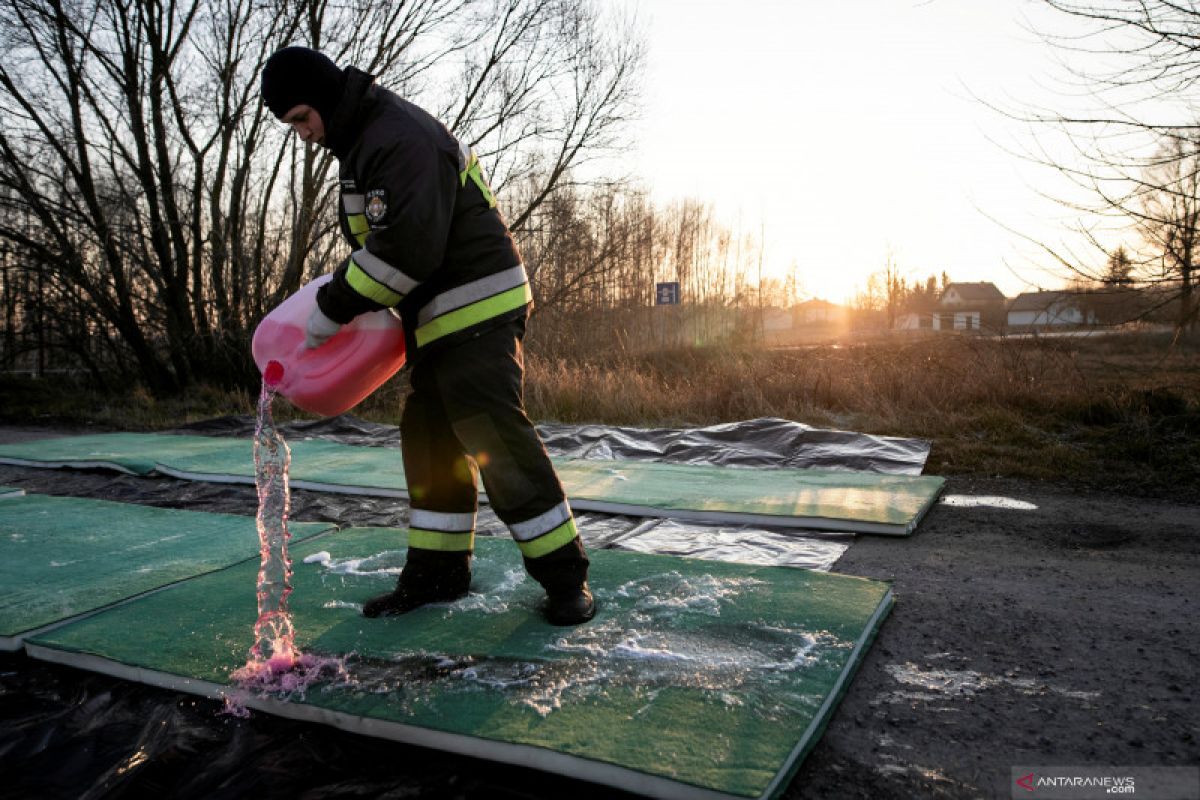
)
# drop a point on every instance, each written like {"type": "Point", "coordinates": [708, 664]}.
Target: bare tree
{"type": "Point", "coordinates": [140, 173]}
{"type": "Point", "coordinates": [895, 290]}
{"type": "Point", "coordinates": [1133, 156]}
{"type": "Point", "coordinates": [1150, 46]}
{"type": "Point", "coordinates": [1168, 219]}
{"type": "Point", "coordinates": [600, 253]}
{"type": "Point", "coordinates": [886, 292]}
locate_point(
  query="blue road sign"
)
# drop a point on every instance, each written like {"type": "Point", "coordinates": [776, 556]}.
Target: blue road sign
{"type": "Point", "coordinates": [667, 294]}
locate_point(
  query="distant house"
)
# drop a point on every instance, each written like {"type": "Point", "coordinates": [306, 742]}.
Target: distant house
{"type": "Point", "coordinates": [972, 295]}
{"type": "Point", "coordinates": [817, 312]}
{"type": "Point", "coordinates": [962, 307]}
{"type": "Point", "coordinates": [1048, 309]}
{"type": "Point", "coordinates": [940, 321]}
{"type": "Point", "coordinates": [914, 321]}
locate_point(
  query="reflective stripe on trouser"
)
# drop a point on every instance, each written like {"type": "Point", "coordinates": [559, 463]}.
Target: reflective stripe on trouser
{"type": "Point", "coordinates": [465, 417]}
{"type": "Point", "coordinates": [441, 478]}
{"type": "Point", "coordinates": [446, 532]}
{"type": "Point", "coordinates": [442, 519]}
{"type": "Point", "coordinates": [546, 532]}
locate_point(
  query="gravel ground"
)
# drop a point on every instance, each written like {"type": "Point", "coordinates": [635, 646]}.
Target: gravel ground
{"type": "Point", "coordinates": [1065, 634]}
{"type": "Point", "coordinates": [1062, 636]}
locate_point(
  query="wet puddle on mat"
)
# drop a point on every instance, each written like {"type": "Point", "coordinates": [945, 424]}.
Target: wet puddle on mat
{"type": "Point", "coordinates": [672, 638]}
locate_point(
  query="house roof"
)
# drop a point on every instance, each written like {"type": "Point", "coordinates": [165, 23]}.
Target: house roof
{"type": "Point", "coordinates": [981, 292]}
{"type": "Point", "coordinates": [817, 303]}
{"type": "Point", "coordinates": [1039, 301]}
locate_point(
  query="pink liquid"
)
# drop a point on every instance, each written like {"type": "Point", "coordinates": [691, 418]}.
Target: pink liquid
{"type": "Point", "coordinates": [275, 664]}
{"type": "Point", "coordinates": [274, 649]}
{"type": "Point", "coordinates": [334, 377]}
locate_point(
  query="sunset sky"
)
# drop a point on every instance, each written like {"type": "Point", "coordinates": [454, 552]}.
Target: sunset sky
{"type": "Point", "coordinates": [851, 131]}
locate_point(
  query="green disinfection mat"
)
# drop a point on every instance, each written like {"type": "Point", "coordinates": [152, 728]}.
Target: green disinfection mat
{"type": "Point", "coordinates": [61, 557]}
{"type": "Point", "coordinates": [133, 453]}
{"type": "Point", "coordinates": [856, 502]}
{"type": "Point", "coordinates": [316, 464]}
{"type": "Point", "coordinates": [696, 678]}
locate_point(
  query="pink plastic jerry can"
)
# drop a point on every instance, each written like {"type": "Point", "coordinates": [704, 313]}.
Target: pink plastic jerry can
{"type": "Point", "coordinates": [336, 376]}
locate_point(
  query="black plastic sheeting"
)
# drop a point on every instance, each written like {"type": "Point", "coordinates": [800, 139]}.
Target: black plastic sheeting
{"type": "Point", "coordinates": [762, 442]}
{"type": "Point", "coordinates": [67, 733]}
{"type": "Point", "coordinates": [72, 734]}
{"type": "Point", "coordinates": [751, 443]}
{"type": "Point", "coordinates": [743, 544]}
{"type": "Point", "coordinates": [783, 547]}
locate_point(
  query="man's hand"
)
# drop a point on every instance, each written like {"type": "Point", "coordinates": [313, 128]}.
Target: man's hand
{"type": "Point", "coordinates": [319, 328]}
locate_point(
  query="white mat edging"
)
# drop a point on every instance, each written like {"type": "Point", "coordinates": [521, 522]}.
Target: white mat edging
{"type": "Point", "coordinates": [505, 752]}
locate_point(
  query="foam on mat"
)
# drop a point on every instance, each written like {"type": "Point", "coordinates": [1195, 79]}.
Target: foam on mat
{"type": "Point", "coordinates": [695, 679]}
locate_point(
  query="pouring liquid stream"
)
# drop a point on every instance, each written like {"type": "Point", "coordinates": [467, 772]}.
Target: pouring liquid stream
{"type": "Point", "coordinates": [275, 663]}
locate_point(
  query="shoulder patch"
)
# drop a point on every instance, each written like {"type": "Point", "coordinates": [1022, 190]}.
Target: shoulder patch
{"type": "Point", "coordinates": [376, 205]}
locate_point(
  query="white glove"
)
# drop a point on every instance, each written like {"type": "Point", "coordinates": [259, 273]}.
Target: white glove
{"type": "Point", "coordinates": [319, 328]}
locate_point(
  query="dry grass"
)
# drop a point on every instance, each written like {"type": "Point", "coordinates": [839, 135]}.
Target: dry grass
{"type": "Point", "coordinates": [1117, 412]}
{"type": "Point", "coordinates": [63, 401]}
{"type": "Point", "coordinates": [895, 382]}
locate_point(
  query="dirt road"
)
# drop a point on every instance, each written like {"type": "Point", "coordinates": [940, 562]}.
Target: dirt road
{"type": "Point", "coordinates": [1064, 634]}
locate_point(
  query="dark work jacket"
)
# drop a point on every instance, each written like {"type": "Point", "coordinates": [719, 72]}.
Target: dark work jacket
{"type": "Point", "coordinates": [428, 239]}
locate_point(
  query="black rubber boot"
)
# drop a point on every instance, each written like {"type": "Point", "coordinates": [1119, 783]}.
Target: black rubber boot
{"type": "Point", "coordinates": [563, 574]}
{"type": "Point", "coordinates": [428, 577]}
{"type": "Point", "coordinates": [570, 606]}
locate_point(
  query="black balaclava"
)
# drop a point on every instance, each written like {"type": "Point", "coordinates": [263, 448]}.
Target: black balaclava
{"type": "Point", "coordinates": [298, 75]}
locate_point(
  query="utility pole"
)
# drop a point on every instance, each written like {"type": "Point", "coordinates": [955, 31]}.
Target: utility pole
{"type": "Point", "coordinates": [760, 328]}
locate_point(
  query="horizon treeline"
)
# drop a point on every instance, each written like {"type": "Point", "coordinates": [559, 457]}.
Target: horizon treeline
{"type": "Point", "coordinates": [152, 211]}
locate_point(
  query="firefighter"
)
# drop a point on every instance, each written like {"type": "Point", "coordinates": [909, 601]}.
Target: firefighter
{"type": "Point", "coordinates": [429, 241]}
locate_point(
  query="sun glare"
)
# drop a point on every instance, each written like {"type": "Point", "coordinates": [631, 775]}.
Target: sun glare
{"type": "Point", "coordinates": [845, 143]}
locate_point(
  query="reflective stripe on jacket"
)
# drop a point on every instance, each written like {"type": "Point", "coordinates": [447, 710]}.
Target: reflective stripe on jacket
{"type": "Point", "coordinates": [427, 236]}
